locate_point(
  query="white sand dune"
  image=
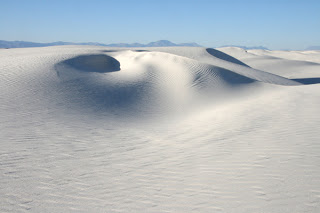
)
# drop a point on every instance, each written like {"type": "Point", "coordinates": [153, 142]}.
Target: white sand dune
{"type": "Point", "coordinates": [168, 129]}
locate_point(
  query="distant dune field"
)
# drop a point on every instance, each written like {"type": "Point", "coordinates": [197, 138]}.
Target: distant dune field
{"type": "Point", "coordinates": [159, 129]}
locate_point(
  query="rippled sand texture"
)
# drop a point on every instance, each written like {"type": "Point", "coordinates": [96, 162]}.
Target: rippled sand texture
{"type": "Point", "coordinates": [180, 129]}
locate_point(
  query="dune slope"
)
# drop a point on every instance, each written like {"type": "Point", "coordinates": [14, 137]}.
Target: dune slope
{"type": "Point", "coordinates": [170, 129]}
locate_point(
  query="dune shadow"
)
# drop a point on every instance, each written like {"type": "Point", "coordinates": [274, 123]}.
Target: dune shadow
{"type": "Point", "coordinates": [95, 95]}
{"type": "Point", "coordinates": [93, 63]}
{"type": "Point", "coordinates": [225, 57]}
{"type": "Point", "coordinates": [307, 81]}
{"type": "Point", "coordinates": [88, 82]}
{"type": "Point", "coordinates": [109, 51]}
{"type": "Point", "coordinates": [235, 78]}
{"type": "Point", "coordinates": [141, 50]}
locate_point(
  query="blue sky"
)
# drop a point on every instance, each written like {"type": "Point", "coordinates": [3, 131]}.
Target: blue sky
{"type": "Point", "coordinates": [276, 24]}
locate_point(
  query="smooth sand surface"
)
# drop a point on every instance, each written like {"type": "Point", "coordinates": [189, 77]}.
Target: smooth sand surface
{"type": "Point", "coordinates": [169, 129]}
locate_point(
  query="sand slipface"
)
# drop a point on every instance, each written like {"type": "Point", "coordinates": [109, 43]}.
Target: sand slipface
{"type": "Point", "coordinates": [93, 63]}
{"type": "Point", "coordinates": [168, 129]}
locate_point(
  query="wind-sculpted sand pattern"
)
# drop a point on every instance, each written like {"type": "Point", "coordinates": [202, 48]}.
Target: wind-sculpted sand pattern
{"type": "Point", "coordinates": [93, 129]}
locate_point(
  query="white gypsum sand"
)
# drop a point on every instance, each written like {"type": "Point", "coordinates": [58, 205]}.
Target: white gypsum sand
{"type": "Point", "coordinates": [179, 129]}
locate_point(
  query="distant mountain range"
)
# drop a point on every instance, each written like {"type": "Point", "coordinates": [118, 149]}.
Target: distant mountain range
{"type": "Point", "coordinates": [265, 48]}
{"type": "Point", "coordinates": [161, 43]}
{"type": "Point", "coordinates": [313, 48]}
{"type": "Point", "coordinates": [247, 48]}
